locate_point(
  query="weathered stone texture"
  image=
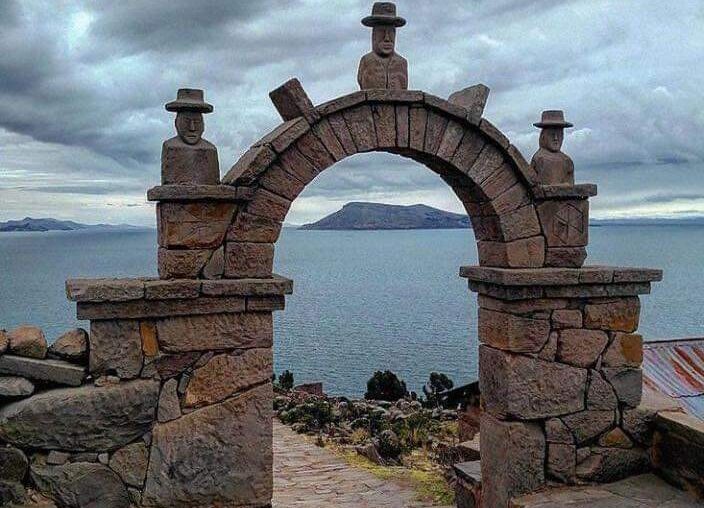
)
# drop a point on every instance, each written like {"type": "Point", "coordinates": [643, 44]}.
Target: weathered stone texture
{"type": "Point", "coordinates": [516, 461]}
{"type": "Point", "coordinates": [562, 461]}
{"type": "Point", "coordinates": [169, 403]}
{"type": "Point", "coordinates": [71, 346]}
{"type": "Point", "coordinates": [565, 223]}
{"type": "Point", "coordinates": [291, 101]}
{"type": "Point", "coordinates": [81, 419]}
{"type": "Point", "coordinates": [610, 464]}
{"type": "Point", "coordinates": [526, 253]}
{"type": "Point", "coordinates": [181, 264]}
{"type": "Point", "coordinates": [225, 375]}
{"type": "Point", "coordinates": [81, 485]}
{"type": "Point", "coordinates": [53, 371]}
{"type": "Point", "coordinates": [248, 259]}
{"type": "Point", "coordinates": [512, 333]}
{"type": "Point", "coordinates": [566, 318]}
{"type": "Point", "coordinates": [216, 331]}
{"type": "Point", "coordinates": [587, 425]}
{"type": "Point", "coordinates": [627, 383]}
{"type": "Point", "coordinates": [618, 315]}
{"type": "Point", "coordinates": [361, 125]}
{"type": "Point", "coordinates": [626, 350]}
{"type": "Point", "coordinates": [557, 432]}
{"type": "Point", "coordinates": [601, 394]}
{"type": "Point", "coordinates": [130, 463]}
{"type": "Point", "coordinates": [104, 290]}
{"type": "Point", "coordinates": [615, 438]}
{"type": "Point", "coordinates": [526, 388]}
{"type": "Point", "coordinates": [28, 341]}
{"type": "Point", "coordinates": [200, 225]}
{"type": "Point", "coordinates": [12, 386]}
{"type": "Point", "coordinates": [115, 346]}
{"type": "Point", "coordinates": [581, 348]}
{"type": "Point", "coordinates": [253, 228]}
{"type": "Point", "coordinates": [211, 439]}
{"type": "Point", "coordinates": [13, 464]}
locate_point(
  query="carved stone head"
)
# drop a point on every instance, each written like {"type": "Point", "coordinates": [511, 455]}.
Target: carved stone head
{"type": "Point", "coordinates": [189, 125]}
{"type": "Point", "coordinates": [383, 22]}
{"type": "Point", "coordinates": [551, 138]}
{"type": "Point", "coordinates": [384, 40]}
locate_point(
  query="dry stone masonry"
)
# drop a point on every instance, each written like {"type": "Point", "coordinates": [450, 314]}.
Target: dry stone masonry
{"type": "Point", "coordinates": [167, 402]}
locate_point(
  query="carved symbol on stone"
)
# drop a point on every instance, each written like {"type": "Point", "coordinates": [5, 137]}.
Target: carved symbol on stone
{"type": "Point", "coordinates": [569, 223]}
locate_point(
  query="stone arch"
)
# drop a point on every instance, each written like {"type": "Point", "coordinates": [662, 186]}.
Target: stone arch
{"type": "Point", "coordinates": [489, 175]}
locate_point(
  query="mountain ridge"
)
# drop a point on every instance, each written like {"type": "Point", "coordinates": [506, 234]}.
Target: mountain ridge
{"type": "Point", "coordinates": [29, 224]}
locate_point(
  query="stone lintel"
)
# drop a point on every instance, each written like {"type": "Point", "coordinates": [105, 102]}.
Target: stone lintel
{"type": "Point", "coordinates": [124, 290]}
{"type": "Point", "coordinates": [199, 193]}
{"type": "Point", "coordinates": [559, 276]}
{"type": "Point", "coordinates": [579, 191]}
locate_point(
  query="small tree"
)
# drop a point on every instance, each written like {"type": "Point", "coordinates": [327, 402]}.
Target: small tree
{"type": "Point", "coordinates": [286, 380]}
{"type": "Point", "coordinates": [385, 386]}
{"type": "Point", "coordinates": [437, 384]}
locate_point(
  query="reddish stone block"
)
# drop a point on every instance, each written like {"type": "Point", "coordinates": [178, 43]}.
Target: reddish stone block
{"type": "Point", "coordinates": [265, 303]}
{"type": "Point", "coordinates": [285, 134]}
{"type": "Point", "coordinates": [253, 228]}
{"type": "Point", "coordinates": [171, 289]}
{"type": "Point", "coordinates": [295, 163]}
{"type": "Point", "coordinates": [511, 199]}
{"type": "Point", "coordinates": [626, 350]}
{"type": "Point", "coordinates": [339, 127]}
{"type": "Point", "coordinates": [627, 383]}
{"type": "Point", "coordinates": [181, 264]}
{"type": "Point", "coordinates": [115, 347]}
{"type": "Point", "coordinates": [567, 318]}
{"type": "Point", "coordinates": [314, 150]}
{"type": "Point", "coordinates": [418, 120]}
{"type": "Point", "coordinates": [518, 224]}
{"type": "Point", "coordinates": [525, 169]}
{"type": "Point", "coordinates": [468, 151]}
{"type": "Point", "coordinates": [360, 122]}
{"type": "Point", "coordinates": [385, 123]}
{"type": "Point", "coordinates": [248, 167]}
{"type": "Point", "coordinates": [619, 315]}
{"type": "Point", "coordinates": [566, 223]}
{"type": "Point", "coordinates": [586, 425]}
{"type": "Point", "coordinates": [280, 182]}
{"type": "Point", "coordinates": [512, 333]}
{"type": "Point", "coordinates": [490, 159]}
{"type": "Point", "coordinates": [500, 181]}
{"type": "Point", "coordinates": [581, 348]}
{"type": "Point", "coordinates": [324, 132]}
{"type": "Point", "coordinates": [493, 133]}
{"type": "Point", "coordinates": [200, 225]}
{"type": "Point", "coordinates": [292, 101]}
{"type": "Point", "coordinates": [526, 253]}
{"type": "Point", "coordinates": [434, 131]}
{"type": "Point", "coordinates": [344, 102]}
{"type": "Point", "coordinates": [269, 205]}
{"type": "Point", "coordinates": [402, 126]}
{"type": "Point", "coordinates": [522, 307]}
{"type": "Point", "coordinates": [244, 260]}
{"type": "Point", "coordinates": [454, 132]}
{"type": "Point", "coordinates": [562, 462]}
{"type": "Point", "coordinates": [600, 395]}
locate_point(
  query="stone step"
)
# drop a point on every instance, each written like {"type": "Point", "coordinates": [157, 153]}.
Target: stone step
{"type": "Point", "coordinates": [52, 371]}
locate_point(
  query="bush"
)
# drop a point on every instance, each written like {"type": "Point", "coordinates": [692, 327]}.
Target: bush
{"type": "Point", "coordinates": [385, 386]}
{"type": "Point", "coordinates": [415, 430]}
{"type": "Point", "coordinates": [437, 384]}
{"type": "Point", "coordinates": [286, 380]}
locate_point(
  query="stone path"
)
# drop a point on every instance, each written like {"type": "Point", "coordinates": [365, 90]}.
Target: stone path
{"type": "Point", "coordinates": [645, 491]}
{"type": "Point", "coordinates": [308, 476]}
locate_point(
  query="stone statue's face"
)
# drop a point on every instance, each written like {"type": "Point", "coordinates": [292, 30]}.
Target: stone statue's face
{"type": "Point", "coordinates": [551, 138]}
{"type": "Point", "coordinates": [189, 125]}
{"type": "Point", "coordinates": [384, 40]}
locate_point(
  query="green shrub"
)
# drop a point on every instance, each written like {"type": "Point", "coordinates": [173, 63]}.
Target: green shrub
{"type": "Point", "coordinates": [286, 380]}
{"type": "Point", "coordinates": [437, 384]}
{"type": "Point", "coordinates": [385, 386]}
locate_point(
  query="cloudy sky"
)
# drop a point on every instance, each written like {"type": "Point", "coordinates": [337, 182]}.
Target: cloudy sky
{"type": "Point", "coordinates": [83, 83]}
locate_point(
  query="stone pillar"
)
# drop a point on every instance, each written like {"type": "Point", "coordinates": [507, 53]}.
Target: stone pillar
{"type": "Point", "coordinates": [207, 344]}
{"type": "Point", "coordinates": [559, 365]}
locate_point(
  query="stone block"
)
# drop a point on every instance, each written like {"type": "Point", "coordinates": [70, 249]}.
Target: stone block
{"type": "Point", "coordinates": [150, 344]}
{"type": "Point", "coordinates": [402, 126]}
{"type": "Point", "coordinates": [342, 133]}
{"type": "Point", "coordinates": [285, 134]}
{"type": "Point", "coordinates": [557, 432]}
{"type": "Point", "coordinates": [385, 124]}
{"type": "Point", "coordinates": [81, 484]}
{"type": "Point", "coordinates": [499, 182]}
{"type": "Point", "coordinates": [360, 122]}
{"type": "Point", "coordinates": [606, 465]}
{"type": "Point", "coordinates": [13, 464]}
{"type": "Point", "coordinates": [189, 164]}
{"type": "Point", "coordinates": [159, 308]}
{"type": "Point", "coordinates": [71, 346]}
{"type": "Point", "coordinates": [521, 387]}
{"type": "Point", "coordinates": [490, 130]}
{"type": "Point", "coordinates": [625, 350]}
{"type": "Point", "coordinates": [519, 224]}
{"type": "Point", "coordinates": [169, 403]}
{"type": "Point", "coordinates": [580, 347]}
{"type": "Point", "coordinates": [84, 419]}
{"type": "Point", "coordinates": [549, 351]}
{"type": "Point", "coordinates": [199, 225]}
{"type": "Point", "coordinates": [620, 315]}
{"type": "Point", "coordinates": [513, 198]}
{"type": "Point", "coordinates": [169, 366]}
{"type": "Point", "coordinates": [434, 131]}
{"type": "Point", "coordinates": [601, 395]}
{"type": "Point", "coordinates": [340, 103]}
{"type": "Point", "coordinates": [12, 493]}
{"type": "Point", "coordinates": [216, 331]}
{"type": "Point", "coordinates": [193, 192]}
{"type": "Point", "coordinates": [522, 307]}
{"type": "Point", "coordinates": [639, 424]}
{"type": "Point", "coordinates": [28, 341]}
{"type": "Point", "coordinates": [13, 387]}
{"type": "Point", "coordinates": [171, 289]}
{"type": "Point", "coordinates": [243, 259]}
{"type": "Point", "coordinates": [562, 462]}
{"type": "Point", "coordinates": [678, 450]}
{"type": "Point", "coordinates": [182, 264]}
{"type": "Point", "coordinates": [215, 267]}
{"type": "Point", "coordinates": [627, 383]}
{"type": "Point", "coordinates": [516, 463]}
{"type": "Point", "coordinates": [228, 374]}
{"type": "Point", "coordinates": [565, 223]}
{"type": "Point", "coordinates": [253, 228]}
{"type": "Point", "coordinates": [569, 257]}
{"type": "Point", "coordinates": [298, 165]}
{"type": "Point", "coordinates": [525, 253]}
{"type": "Point", "coordinates": [115, 347]}
{"type": "Point", "coordinates": [314, 150]}
{"type": "Point", "coordinates": [324, 132]}
{"type": "Point", "coordinates": [130, 463]}
{"type": "Point", "coordinates": [468, 151]}
{"type": "Point", "coordinates": [512, 333]}
{"type": "Point", "coordinates": [265, 303]}
{"type": "Point", "coordinates": [586, 425]}
{"type": "Point", "coordinates": [566, 318]}
{"type": "Point", "coordinates": [46, 371]}
{"type": "Point", "coordinates": [220, 455]}
{"type": "Point", "coordinates": [292, 101]}
{"type": "Point", "coordinates": [270, 205]}
{"type": "Point", "coordinates": [273, 286]}
{"type": "Point", "coordinates": [615, 438]}
{"type": "Point", "coordinates": [473, 99]}
{"type": "Point", "coordinates": [468, 488]}
{"type": "Point", "coordinates": [418, 118]}
{"type": "Point", "coordinates": [280, 182]}
{"type": "Point", "coordinates": [104, 290]}
{"type": "Point", "coordinates": [451, 139]}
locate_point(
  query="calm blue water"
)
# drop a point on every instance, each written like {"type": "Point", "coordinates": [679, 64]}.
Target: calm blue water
{"type": "Point", "coordinates": [362, 300]}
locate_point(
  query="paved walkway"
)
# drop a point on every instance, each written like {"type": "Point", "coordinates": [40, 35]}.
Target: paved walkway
{"type": "Point", "coordinates": [306, 475]}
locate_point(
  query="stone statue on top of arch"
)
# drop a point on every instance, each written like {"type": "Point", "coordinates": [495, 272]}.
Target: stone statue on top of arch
{"type": "Point", "coordinates": [552, 166]}
{"type": "Point", "coordinates": [383, 67]}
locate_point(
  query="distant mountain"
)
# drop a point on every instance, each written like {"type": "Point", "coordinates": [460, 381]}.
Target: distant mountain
{"type": "Point", "coordinates": [29, 224]}
{"type": "Point", "coordinates": [364, 216]}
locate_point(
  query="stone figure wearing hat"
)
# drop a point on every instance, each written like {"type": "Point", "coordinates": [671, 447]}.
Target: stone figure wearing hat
{"type": "Point", "coordinates": [188, 158]}
{"type": "Point", "coordinates": [382, 67]}
{"type": "Point", "coordinates": [552, 166]}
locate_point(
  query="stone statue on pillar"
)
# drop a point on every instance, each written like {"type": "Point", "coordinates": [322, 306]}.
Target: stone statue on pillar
{"type": "Point", "coordinates": [552, 166]}
{"type": "Point", "coordinates": [383, 67]}
{"type": "Point", "coordinates": [188, 158]}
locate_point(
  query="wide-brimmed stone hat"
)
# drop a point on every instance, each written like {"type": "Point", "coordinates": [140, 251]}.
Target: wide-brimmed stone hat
{"type": "Point", "coordinates": [189, 99]}
{"type": "Point", "coordinates": [553, 118]}
{"type": "Point", "coordinates": [383, 14]}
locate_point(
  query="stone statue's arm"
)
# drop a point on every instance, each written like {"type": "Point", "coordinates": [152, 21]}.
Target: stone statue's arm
{"type": "Point", "coordinates": [360, 73]}
{"type": "Point", "coordinates": [404, 79]}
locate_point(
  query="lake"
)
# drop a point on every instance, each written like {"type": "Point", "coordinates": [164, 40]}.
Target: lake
{"type": "Point", "coordinates": [363, 300]}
